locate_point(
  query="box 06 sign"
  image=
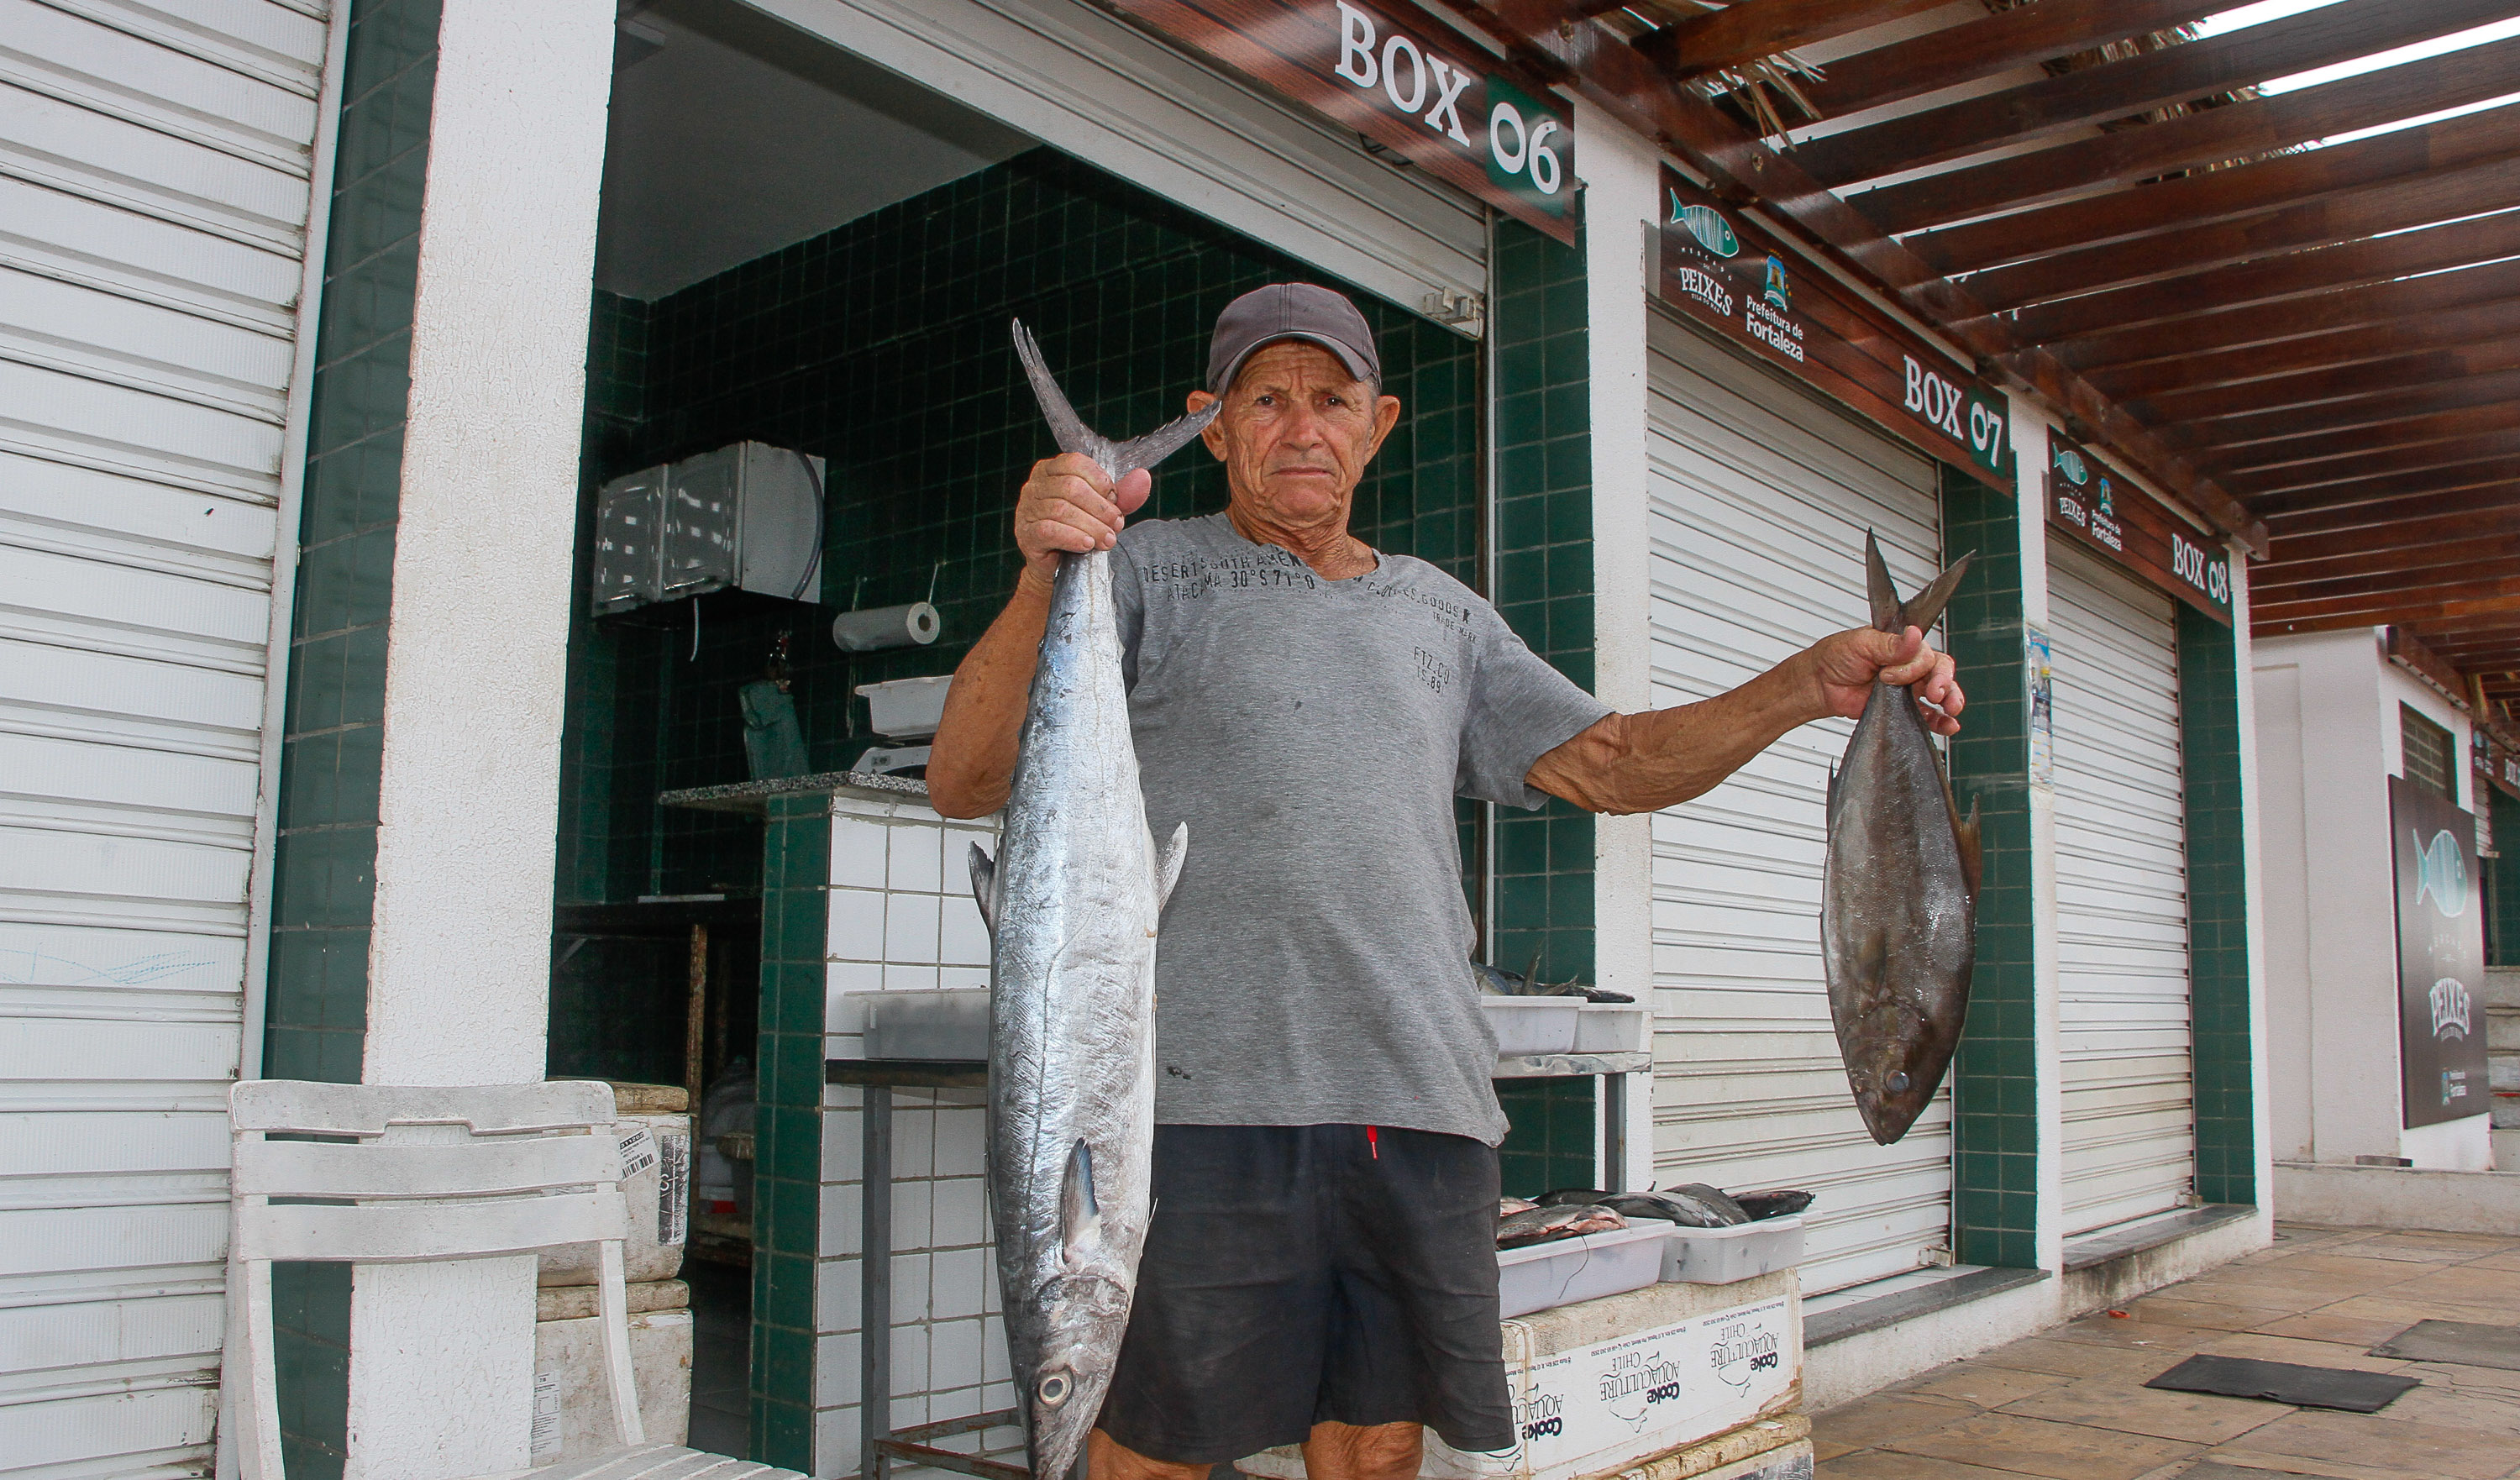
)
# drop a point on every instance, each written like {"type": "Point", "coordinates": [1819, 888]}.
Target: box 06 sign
{"type": "Point", "coordinates": [1398, 76]}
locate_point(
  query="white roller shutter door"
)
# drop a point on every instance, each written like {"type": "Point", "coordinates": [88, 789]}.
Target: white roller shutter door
{"type": "Point", "coordinates": [1761, 498]}
{"type": "Point", "coordinates": [153, 201]}
{"type": "Point", "coordinates": [2130, 1095]}
{"type": "Point", "coordinates": [1095, 87]}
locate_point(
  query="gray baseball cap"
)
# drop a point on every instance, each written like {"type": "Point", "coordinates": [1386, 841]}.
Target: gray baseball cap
{"type": "Point", "coordinates": [1290, 311]}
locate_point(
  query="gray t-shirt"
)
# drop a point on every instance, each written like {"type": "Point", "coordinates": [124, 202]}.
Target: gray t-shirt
{"type": "Point", "coordinates": [1313, 968]}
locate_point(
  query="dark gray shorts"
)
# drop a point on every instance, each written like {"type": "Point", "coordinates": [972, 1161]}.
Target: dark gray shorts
{"type": "Point", "coordinates": [1303, 1275]}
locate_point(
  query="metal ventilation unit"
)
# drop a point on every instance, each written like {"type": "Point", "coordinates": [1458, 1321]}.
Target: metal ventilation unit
{"type": "Point", "coordinates": [745, 517]}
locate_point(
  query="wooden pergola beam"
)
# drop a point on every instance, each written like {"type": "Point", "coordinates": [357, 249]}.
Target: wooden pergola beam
{"type": "Point", "coordinates": [1749, 29]}
{"type": "Point", "coordinates": [2285, 181]}
{"type": "Point", "coordinates": [2407, 565]}
{"type": "Point", "coordinates": [2302, 485]}
{"type": "Point", "coordinates": [2215, 136]}
{"type": "Point", "coordinates": [1990, 44]}
{"type": "Point", "coordinates": [2343, 385]}
{"type": "Point", "coordinates": [2489, 522]}
{"type": "Point", "coordinates": [2341, 31]}
{"type": "Point", "coordinates": [2441, 329]}
{"type": "Point", "coordinates": [2291, 318]}
{"type": "Point", "coordinates": [2486, 579]}
{"type": "Point", "coordinates": [2385, 406]}
{"type": "Point", "coordinates": [2390, 524]}
{"type": "Point", "coordinates": [2415, 202]}
{"type": "Point", "coordinates": [2301, 455]}
{"type": "Point", "coordinates": [2476, 599]}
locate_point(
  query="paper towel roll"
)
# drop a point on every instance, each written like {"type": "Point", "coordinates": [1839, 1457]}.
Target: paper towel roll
{"type": "Point", "coordinates": [913, 626]}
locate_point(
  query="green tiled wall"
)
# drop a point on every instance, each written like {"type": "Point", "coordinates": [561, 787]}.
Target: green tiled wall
{"type": "Point", "coordinates": [1543, 456]}
{"type": "Point", "coordinates": [2217, 910]}
{"type": "Point", "coordinates": [2502, 882]}
{"type": "Point", "coordinates": [331, 744]}
{"type": "Point", "coordinates": [786, 1189]}
{"type": "Point", "coordinates": [1994, 1157]}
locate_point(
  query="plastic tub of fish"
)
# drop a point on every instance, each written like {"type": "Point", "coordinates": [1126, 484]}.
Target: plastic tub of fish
{"type": "Point", "coordinates": [1609, 1028]}
{"type": "Point", "coordinates": [906, 708]}
{"type": "Point", "coordinates": [1744, 1251]}
{"type": "Point", "coordinates": [951, 1023]}
{"type": "Point", "coordinates": [1534, 1024]}
{"type": "Point", "coordinates": [1586, 1266]}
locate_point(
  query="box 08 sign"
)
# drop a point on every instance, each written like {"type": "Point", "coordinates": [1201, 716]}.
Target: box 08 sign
{"type": "Point", "coordinates": [2098, 509]}
{"type": "Point", "coordinates": [1722, 268]}
{"type": "Point", "coordinates": [1402, 80]}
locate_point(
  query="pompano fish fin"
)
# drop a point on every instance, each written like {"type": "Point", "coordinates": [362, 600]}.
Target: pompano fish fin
{"type": "Point", "coordinates": [984, 886]}
{"type": "Point", "coordinates": [1926, 607]}
{"type": "Point", "coordinates": [1162, 443]}
{"type": "Point", "coordinates": [1168, 865]}
{"type": "Point", "coordinates": [1066, 427]}
{"type": "Point", "coordinates": [1080, 1216]}
{"type": "Point", "coordinates": [1882, 596]}
{"type": "Point", "coordinates": [1965, 832]}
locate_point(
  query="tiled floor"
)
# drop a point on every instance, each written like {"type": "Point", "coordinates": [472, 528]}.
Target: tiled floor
{"type": "Point", "coordinates": [2070, 1404]}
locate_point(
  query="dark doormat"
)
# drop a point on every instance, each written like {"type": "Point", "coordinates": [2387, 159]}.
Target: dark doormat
{"type": "Point", "coordinates": [2286, 1382]}
{"type": "Point", "coordinates": [2455, 1341]}
{"type": "Point", "coordinates": [2214, 1469]}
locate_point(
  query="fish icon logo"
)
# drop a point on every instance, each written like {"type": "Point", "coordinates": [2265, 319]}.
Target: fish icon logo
{"type": "Point", "coordinates": [1707, 225]}
{"type": "Point", "coordinates": [2441, 872]}
{"type": "Point", "coordinates": [2070, 463]}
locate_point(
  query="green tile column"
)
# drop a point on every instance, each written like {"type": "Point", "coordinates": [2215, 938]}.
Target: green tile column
{"type": "Point", "coordinates": [1542, 435]}
{"type": "Point", "coordinates": [2218, 909]}
{"type": "Point", "coordinates": [331, 738]}
{"type": "Point", "coordinates": [1995, 1101]}
{"type": "Point", "coordinates": [787, 1126]}
{"type": "Point", "coordinates": [2502, 882]}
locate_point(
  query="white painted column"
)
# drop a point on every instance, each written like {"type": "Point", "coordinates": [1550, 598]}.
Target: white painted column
{"type": "Point", "coordinates": [1622, 187]}
{"type": "Point", "coordinates": [2030, 432]}
{"type": "Point", "coordinates": [2254, 905]}
{"type": "Point", "coordinates": [442, 1356]}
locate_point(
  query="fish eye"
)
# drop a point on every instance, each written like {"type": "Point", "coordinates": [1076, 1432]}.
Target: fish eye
{"type": "Point", "coordinates": [1053, 1389]}
{"type": "Point", "coordinates": [1898, 1081]}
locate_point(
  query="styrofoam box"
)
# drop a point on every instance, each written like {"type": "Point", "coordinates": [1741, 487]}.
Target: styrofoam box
{"type": "Point", "coordinates": [947, 1023]}
{"type": "Point", "coordinates": [1533, 1024]}
{"type": "Point", "coordinates": [1609, 1028]}
{"type": "Point", "coordinates": [1743, 1251]}
{"type": "Point", "coordinates": [906, 708]}
{"type": "Point", "coordinates": [1539, 1276]}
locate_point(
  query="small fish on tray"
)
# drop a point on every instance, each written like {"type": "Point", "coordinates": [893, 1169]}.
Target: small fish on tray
{"type": "Point", "coordinates": [1545, 1224]}
{"type": "Point", "coordinates": [1773, 1202]}
{"type": "Point", "coordinates": [1496, 982]}
{"type": "Point", "coordinates": [1506, 1207]}
{"type": "Point", "coordinates": [1695, 1205]}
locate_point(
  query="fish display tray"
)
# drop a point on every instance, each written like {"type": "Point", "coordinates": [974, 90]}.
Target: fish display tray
{"type": "Point", "coordinates": [1540, 1275]}
{"type": "Point", "coordinates": [947, 1023]}
{"type": "Point", "coordinates": [1610, 1028]}
{"type": "Point", "coordinates": [1534, 1024]}
{"type": "Point", "coordinates": [906, 708]}
{"type": "Point", "coordinates": [1721, 1256]}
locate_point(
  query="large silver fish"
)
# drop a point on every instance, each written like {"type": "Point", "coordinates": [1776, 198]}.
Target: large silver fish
{"type": "Point", "coordinates": [1073, 902]}
{"type": "Point", "coordinates": [1898, 903]}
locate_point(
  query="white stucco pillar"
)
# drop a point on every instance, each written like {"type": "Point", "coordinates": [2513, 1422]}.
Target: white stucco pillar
{"type": "Point", "coordinates": [2030, 431]}
{"type": "Point", "coordinates": [442, 1356]}
{"type": "Point", "coordinates": [1621, 188]}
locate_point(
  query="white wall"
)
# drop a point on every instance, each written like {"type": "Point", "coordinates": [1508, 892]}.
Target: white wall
{"type": "Point", "coordinates": [2327, 741]}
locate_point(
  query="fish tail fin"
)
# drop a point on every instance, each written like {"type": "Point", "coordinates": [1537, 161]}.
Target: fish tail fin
{"type": "Point", "coordinates": [1162, 443]}
{"type": "Point", "coordinates": [1879, 592]}
{"type": "Point", "coordinates": [984, 886]}
{"type": "Point", "coordinates": [1066, 427]}
{"type": "Point", "coordinates": [1964, 831]}
{"type": "Point", "coordinates": [1168, 865]}
{"type": "Point", "coordinates": [1925, 608]}
{"type": "Point", "coordinates": [1080, 1214]}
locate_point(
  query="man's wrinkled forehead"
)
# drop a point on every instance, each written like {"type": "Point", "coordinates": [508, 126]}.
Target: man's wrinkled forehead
{"type": "Point", "coordinates": [1278, 364]}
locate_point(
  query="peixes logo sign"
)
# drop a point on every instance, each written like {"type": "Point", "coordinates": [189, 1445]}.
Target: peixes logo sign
{"type": "Point", "coordinates": [1524, 143]}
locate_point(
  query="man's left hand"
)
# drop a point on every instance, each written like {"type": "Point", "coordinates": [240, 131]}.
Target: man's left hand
{"type": "Point", "coordinates": [1845, 666]}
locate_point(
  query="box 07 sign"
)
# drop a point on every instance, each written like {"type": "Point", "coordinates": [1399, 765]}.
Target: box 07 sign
{"type": "Point", "coordinates": [1403, 79]}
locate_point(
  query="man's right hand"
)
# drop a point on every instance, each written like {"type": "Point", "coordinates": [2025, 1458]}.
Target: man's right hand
{"type": "Point", "coordinates": [1069, 506]}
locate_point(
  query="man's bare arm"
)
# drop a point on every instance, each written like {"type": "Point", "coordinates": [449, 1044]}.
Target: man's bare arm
{"type": "Point", "coordinates": [1066, 505]}
{"type": "Point", "coordinates": [1645, 762]}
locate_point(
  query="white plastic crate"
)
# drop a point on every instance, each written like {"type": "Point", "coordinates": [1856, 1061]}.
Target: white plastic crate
{"type": "Point", "coordinates": [906, 708]}
{"type": "Point", "coordinates": [1610, 1028]}
{"type": "Point", "coordinates": [1533, 1024]}
{"type": "Point", "coordinates": [1721, 1256]}
{"type": "Point", "coordinates": [1539, 1276]}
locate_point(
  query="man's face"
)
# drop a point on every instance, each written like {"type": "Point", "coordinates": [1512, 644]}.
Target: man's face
{"type": "Point", "coordinates": [1297, 433]}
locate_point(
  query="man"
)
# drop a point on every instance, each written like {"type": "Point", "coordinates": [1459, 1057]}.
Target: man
{"type": "Point", "coordinates": [1321, 1266]}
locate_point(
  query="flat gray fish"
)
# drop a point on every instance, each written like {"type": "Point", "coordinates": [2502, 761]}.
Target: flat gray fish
{"type": "Point", "coordinates": [1072, 903]}
{"type": "Point", "coordinates": [1773, 1202]}
{"type": "Point", "coordinates": [1898, 901]}
{"type": "Point", "coordinates": [1549, 1224]}
{"type": "Point", "coordinates": [1694, 1205]}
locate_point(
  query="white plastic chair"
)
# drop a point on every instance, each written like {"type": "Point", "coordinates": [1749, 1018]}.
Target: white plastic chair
{"type": "Point", "coordinates": [532, 1172]}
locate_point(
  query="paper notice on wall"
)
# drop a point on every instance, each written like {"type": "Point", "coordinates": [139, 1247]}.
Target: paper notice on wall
{"type": "Point", "coordinates": [673, 1186]}
{"type": "Point", "coordinates": [546, 1440]}
{"type": "Point", "coordinates": [1587, 1410]}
